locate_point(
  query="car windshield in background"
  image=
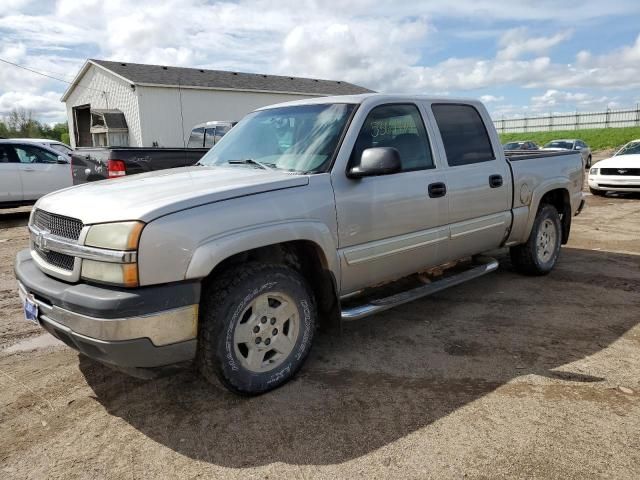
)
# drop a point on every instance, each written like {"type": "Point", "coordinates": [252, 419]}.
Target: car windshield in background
{"type": "Point", "coordinates": [632, 148]}
{"type": "Point", "coordinates": [299, 139]}
{"type": "Point", "coordinates": [560, 144]}
{"type": "Point", "coordinates": [61, 148]}
{"type": "Point", "coordinates": [513, 146]}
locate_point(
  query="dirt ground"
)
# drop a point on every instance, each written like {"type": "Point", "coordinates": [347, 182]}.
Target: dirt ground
{"type": "Point", "coordinates": [503, 377]}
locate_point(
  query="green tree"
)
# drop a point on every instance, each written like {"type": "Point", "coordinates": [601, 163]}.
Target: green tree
{"type": "Point", "coordinates": [21, 124]}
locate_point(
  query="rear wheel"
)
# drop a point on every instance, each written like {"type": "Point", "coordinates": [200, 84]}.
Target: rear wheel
{"type": "Point", "coordinates": [257, 325]}
{"type": "Point", "coordinates": [598, 193]}
{"type": "Point", "coordinates": [540, 253]}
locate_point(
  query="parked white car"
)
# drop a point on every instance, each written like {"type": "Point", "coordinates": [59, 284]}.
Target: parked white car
{"type": "Point", "coordinates": [620, 173]}
{"type": "Point", "coordinates": [28, 171]}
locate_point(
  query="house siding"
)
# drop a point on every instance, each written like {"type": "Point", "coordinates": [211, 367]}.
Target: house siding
{"type": "Point", "coordinates": [163, 121]}
{"type": "Point", "coordinates": [119, 94]}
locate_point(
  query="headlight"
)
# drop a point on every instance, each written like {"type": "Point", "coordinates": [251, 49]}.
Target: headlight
{"type": "Point", "coordinates": [123, 236]}
{"type": "Point", "coordinates": [593, 171]}
{"type": "Point", "coordinates": [115, 236]}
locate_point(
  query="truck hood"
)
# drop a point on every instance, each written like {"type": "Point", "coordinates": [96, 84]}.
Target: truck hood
{"type": "Point", "coordinates": [621, 161]}
{"type": "Point", "coordinates": [151, 195]}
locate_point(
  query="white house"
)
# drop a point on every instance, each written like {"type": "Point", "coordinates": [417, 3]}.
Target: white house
{"type": "Point", "coordinates": [120, 104]}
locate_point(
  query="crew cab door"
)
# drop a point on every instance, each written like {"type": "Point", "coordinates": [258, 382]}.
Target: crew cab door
{"type": "Point", "coordinates": [41, 171]}
{"type": "Point", "coordinates": [390, 225]}
{"type": "Point", "coordinates": [478, 178]}
{"type": "Point", "coordinates": [10, 183]}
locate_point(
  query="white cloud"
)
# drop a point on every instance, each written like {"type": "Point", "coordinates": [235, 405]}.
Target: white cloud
{"type": "Point", "coordinates": [558, 99]}
{"type": "Point", "coordinates": [46, 106]}
{"type": "Point", "coordinates": [377, 44]}
{"type": "Point", "coordinates": [516, 42]}
{"type": "Point", "coordinates": [491, 98]}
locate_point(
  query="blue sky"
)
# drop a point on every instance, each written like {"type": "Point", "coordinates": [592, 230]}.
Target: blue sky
{"type": "Point", "coordinates": [520, 57]}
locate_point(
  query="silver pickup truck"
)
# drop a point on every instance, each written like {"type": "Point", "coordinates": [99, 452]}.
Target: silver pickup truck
{"type": "Point", "coordinates": [305, 214]}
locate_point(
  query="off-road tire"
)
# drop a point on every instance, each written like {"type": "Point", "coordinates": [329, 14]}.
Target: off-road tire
{"type": "Point", "coordinates": [525, 258]}
{"type": "Point", "coordinates": [222, 302]}
{"type": "Point", "coordinates": [597, 193]}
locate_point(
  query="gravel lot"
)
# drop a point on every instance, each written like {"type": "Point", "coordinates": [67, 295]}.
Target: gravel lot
{"type": "Point", "coordinates": [503, 377]}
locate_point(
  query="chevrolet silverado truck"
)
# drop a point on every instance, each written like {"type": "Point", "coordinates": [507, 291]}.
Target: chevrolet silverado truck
{"type": "Point", "coordinates": [305, 214]}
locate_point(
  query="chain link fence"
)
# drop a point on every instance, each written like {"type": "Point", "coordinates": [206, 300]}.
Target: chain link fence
{"type": "Point", "coordinates": [571, 121]}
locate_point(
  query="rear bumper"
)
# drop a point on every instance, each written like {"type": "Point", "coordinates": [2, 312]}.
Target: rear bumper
{"type": "Point", "coordinates": [132, 329]}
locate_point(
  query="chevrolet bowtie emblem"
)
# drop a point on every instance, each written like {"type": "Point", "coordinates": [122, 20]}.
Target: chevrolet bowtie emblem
{"type": "Point", "coordinates": [41, 240]}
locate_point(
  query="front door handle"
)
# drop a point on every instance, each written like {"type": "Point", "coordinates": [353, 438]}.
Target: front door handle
{"type": "Point", "coordinates": [437, 189]}
{"type": "Point", "coordinates": [495, 181]}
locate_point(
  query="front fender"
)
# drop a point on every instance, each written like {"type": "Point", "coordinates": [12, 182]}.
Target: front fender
{"type": "Point", "coordinates": [216, 249]}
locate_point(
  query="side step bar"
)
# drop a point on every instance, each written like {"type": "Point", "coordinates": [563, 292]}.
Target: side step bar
{"type": "Point", "coordinates": [483, 266]}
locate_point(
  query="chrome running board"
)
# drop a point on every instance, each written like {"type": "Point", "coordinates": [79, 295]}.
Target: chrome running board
{"type": "Point", "coordinates": [482, 266]}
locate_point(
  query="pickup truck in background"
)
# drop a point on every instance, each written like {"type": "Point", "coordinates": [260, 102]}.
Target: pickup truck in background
{"type": "Point", "coordinates": [306, 213]}
{"type": "Point", "coordinates": [89, 164]}
{"type": "Point", "coordinates": [99, 163]}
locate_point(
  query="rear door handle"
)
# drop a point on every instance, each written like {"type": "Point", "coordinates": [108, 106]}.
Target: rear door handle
{"type": "Point", "coordinates": [437, 189]}
{"type": "Point", "coordinates": [495, 181]}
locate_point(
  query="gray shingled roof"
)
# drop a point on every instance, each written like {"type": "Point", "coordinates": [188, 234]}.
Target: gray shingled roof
{"type": "Point", "coordinates": [139, 73]}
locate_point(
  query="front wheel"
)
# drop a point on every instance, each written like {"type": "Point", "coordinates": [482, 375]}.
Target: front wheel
{"type": "Point", "coordinates": [257, 325]}
{"type": "Point", "coordinates": [587, 165]}
{"type": "Point", "coordinates": [540, 253]}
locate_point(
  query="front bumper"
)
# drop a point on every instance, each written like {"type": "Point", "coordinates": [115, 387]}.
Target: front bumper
{"type": "Point", "coordinates": [617, 183]}
{"type": "Point", "coordinates": [147, 327]}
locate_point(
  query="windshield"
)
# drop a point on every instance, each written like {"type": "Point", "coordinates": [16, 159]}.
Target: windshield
{"type": "Point", "coordinates": [296, 139]}
{"type": "Point", "coordinates": [560, 144]}
{"type": "Point", "coordinates": [513, 146]}
{"type": "Point", "coordinates": [61, 148]}
{"type": "Point", "coordinates": [631, 148]}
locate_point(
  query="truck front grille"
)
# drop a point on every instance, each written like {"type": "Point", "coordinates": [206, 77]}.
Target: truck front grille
{"type": "Point", "coordinates": [60, 260]}
{"type": "Point", "coordinates": [621, 171]}
{"type": "Point", "coordinates": [59, 225]}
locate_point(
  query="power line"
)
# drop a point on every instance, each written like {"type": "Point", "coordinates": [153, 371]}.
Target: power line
{"type": "Point", "coordinates": [49, 76]}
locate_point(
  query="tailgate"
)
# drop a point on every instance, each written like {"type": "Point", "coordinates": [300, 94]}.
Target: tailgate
{"type": "Point", "coordinates": [89, 165]}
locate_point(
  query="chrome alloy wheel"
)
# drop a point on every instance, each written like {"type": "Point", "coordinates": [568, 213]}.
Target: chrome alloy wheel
{"type": "Point", "coordinates": [267, 332]}
{"type": "Point", "coordinates": [546, 241]}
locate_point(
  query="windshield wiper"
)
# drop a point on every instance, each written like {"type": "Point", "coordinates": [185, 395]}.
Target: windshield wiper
{"type": "Point", "coordinates": [250, 161]}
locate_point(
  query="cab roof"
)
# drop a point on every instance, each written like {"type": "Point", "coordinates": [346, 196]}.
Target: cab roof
{"type": "Point", "coordinates": [381, 97]}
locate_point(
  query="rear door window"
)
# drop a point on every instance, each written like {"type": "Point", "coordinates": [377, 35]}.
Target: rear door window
{"type": "Point", "coordinates": [6, 154]}
{"type": "Point", "coordinates": [463, 133]}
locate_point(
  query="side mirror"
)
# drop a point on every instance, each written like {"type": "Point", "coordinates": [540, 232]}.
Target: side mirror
{"type": "Point", "coordinates": [62, 160]}
{"type": "Point", "coordinates": [376, 161]}
{"type": "Point", "coordinates": [577, 147]}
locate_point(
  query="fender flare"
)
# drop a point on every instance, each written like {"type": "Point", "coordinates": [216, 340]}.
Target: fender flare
{"type": "Point", "coordinates": [214, 250]}
{"type": "Point", "coordinates": [556, 183]}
